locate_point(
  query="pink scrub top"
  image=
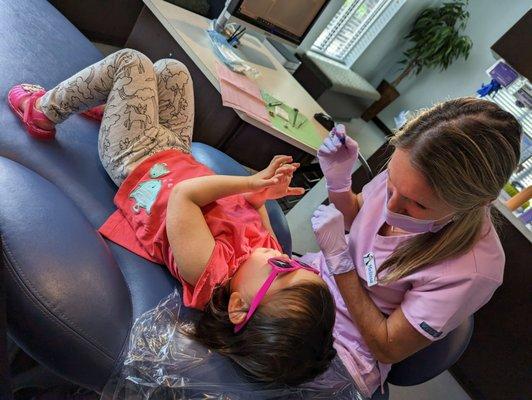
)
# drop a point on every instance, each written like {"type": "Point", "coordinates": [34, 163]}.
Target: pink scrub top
{"type": "Point", "coordinates": [435, 299]}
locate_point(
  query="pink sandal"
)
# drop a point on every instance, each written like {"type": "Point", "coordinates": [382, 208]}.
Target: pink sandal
{"type": "Point", "coordinates": [95, 113]}
{"type": "Point", "coordinates": [16, 96]}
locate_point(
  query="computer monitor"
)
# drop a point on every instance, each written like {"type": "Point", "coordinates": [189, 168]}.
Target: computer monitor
{"type": "Point", "coordinates": [288, 20]}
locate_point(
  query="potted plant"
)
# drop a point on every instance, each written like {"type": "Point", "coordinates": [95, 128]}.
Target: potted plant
{"type": "Point", "coordinates": [436, 42]}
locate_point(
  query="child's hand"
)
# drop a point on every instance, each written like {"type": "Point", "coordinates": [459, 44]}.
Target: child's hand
{"type": "Point", "coordinates": [268, 176]}
{"type": "Point", "coordinates": [278, 185]}
{"type": "Point", "coordinates": [282, 188]}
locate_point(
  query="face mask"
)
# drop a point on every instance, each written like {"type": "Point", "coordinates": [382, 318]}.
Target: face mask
{"type": "Point", "coordinates": [411, 224]}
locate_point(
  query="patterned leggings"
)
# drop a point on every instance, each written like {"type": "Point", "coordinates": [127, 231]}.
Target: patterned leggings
{"type": "Point", "coordinates": [150, 107]}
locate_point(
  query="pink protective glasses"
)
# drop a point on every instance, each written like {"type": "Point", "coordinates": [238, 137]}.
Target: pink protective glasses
{"type": "Point", "coordinates": [279, 266]}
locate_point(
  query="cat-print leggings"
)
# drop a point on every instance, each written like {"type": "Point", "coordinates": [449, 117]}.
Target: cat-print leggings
{"type": "Point", "coordinates": [150, 107]}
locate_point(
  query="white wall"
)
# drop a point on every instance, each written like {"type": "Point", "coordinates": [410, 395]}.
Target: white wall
{"type": "Point", "coordinates": [383, 52]}
{"type": "Point", "coordinates": [488, 21]}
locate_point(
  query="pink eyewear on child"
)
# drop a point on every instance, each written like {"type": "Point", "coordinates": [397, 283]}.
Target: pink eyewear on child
{"type": "Point", "coordinates": [279, 266]}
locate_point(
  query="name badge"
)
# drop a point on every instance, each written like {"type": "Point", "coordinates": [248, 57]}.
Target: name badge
{"type": "Point", "coordinates": [371, 269]}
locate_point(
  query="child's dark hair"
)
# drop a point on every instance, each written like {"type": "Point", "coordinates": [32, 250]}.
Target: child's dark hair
{"type": "Point", "coordinates": [287, 341]}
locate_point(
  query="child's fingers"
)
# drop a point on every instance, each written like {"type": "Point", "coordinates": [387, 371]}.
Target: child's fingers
{"type": "Point", "coordinates": [278, 156]}
{"type": "Point", "coordinates": [294, 166]}
{"type": "Point", "coordinates": [274, 180]}
{"type": "Point", "coordinates": [295, 191]}
{"type": "Point", "coordinates": [279, 177]}
{"type": "Point", "coordinates": [286, 169]}
{"type": "Point", "coordinates": [277, 161]}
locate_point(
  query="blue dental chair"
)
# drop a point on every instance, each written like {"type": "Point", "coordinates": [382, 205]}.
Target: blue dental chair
{"type": "Point", "coordinates": [72, 297]}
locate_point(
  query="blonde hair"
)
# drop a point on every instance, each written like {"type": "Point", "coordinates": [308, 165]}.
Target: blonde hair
{"type": "Point", "coordinates": [467, 149]}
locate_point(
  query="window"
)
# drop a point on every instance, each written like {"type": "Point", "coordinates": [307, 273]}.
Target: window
{"type": "Point", "coordinates": [353, 28]}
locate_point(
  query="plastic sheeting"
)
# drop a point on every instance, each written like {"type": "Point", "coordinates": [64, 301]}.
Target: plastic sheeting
{"type": "Point", "coordinates": [230, 57]}
{"type": "Point", "coordinates": [162, 362]}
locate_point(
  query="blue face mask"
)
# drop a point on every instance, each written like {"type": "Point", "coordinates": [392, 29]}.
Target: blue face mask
{"type": "Point", "coordinates": [411, 224]}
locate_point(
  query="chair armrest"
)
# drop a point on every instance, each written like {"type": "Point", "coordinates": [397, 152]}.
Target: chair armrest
{"type": "Point", "coordinates": [63, 284]}
{"type": "Point", "coordinates": [434, 359]}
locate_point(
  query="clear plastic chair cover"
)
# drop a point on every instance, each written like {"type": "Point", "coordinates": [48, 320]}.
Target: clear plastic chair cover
{"type": "Point", "coordinates": [163, 362]}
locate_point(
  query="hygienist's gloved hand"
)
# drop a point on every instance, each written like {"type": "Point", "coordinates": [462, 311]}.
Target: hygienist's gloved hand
{"type": "Point", "coordinates": [328, 226]}
{"type": "Point", "coordinates": [337, 156]}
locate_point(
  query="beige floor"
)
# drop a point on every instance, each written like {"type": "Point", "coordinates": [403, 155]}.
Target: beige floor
{"type": "Point", "coordinates": [443, 387]}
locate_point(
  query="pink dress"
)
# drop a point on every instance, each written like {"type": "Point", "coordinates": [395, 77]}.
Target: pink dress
{"type": "Point", "coordinates": [435, 299]}
{"type": "Point", "coordinates": [139, 223]}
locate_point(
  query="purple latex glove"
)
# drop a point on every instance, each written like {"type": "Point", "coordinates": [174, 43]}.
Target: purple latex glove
{"type": "Point", "coordinates": [337, 157]}
{"type": "Point", "coordinates": [328, 226]}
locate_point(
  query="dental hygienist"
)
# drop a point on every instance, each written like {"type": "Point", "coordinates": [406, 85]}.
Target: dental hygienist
{"type": "Point", "coordinates": [422, 254]}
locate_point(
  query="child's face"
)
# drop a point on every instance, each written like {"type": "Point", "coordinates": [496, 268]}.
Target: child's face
{"type": "Point", "coordinates": [252, 274]}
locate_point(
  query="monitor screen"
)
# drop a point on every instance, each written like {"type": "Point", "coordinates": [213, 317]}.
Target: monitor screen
{"type": "Point", "coordinates": [290, 20]}
{"type": "Point", "coordinates": [513, 45]}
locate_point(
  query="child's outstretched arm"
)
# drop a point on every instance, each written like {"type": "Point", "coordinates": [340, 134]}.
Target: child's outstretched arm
{"type": "Point", "coordinates": [189, 236]}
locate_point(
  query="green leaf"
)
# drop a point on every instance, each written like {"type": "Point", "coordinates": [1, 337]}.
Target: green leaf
{"type": "Point", "coordinates": [435, 37]}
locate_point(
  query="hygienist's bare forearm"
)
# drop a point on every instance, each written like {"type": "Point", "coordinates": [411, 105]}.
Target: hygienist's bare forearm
{"type": "Point", "coordinates": [346, 202]}
{"type": "Point", "coordinates": [206, 189]}
{"type": "Point", "coordinates": [368, 318]}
